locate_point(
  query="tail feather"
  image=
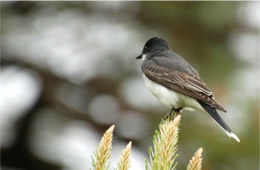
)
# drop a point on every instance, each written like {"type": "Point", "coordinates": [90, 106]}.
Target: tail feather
{"type": "Point", "coordinates": [215, 116]}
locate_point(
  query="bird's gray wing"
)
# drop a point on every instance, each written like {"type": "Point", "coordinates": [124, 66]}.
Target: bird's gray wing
{"type": "Point", "coordinates": [187, 84]}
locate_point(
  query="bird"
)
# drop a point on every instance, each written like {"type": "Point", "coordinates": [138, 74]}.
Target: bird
{"type": "Point", "coordinates": [177, 84]}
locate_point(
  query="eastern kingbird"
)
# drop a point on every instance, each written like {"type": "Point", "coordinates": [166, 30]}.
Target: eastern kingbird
{"type": "Point", "coordinates": [176, 83]}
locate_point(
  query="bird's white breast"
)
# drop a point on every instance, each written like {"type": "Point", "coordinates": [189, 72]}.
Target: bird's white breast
{"type": "Point", "coordinates": [171, 98]}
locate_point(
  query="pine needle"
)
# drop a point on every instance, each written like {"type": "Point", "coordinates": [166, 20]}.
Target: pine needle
{"type": "Point", "coordinates": [99, 161]}
{"type": "Point", "coordinates": [163, 155]}
{"type": "Point", "coordinates": [196, 161]}
{"type": "Point", "coordinates": [124, 163]}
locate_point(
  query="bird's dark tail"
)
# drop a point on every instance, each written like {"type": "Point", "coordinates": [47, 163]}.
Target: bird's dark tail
{"type": "Point", "coordinates": [215, 116]}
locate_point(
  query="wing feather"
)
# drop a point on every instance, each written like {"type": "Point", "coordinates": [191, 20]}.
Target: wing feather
{"type": "Point", "coordinates": [190, 85]}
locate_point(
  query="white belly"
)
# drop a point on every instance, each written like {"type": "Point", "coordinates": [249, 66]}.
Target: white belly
{"type": "Point", "coordinates": [171, 98]}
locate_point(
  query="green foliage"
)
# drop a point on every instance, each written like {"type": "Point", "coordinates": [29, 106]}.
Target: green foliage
{"type": "Point", "coordinates": [101, 156]}
{"type": "Point", "coordinates": [195, 162]}
{"type": "Point", "coordinates": [163, 154]}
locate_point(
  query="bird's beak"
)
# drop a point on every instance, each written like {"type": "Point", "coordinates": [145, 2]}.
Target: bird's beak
{"type": "Point", "coordinates": [139, 57]}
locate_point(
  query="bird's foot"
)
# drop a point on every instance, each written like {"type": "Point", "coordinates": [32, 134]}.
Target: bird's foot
{"type": "Point", "coordinates": [172, 114]}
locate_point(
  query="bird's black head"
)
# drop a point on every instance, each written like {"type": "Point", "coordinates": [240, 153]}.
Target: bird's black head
{"type": "Point", "coordinates": [153, 44]}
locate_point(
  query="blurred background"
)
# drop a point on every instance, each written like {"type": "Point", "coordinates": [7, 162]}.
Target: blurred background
{"type": "Point", "coordinates": [68, 72]}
